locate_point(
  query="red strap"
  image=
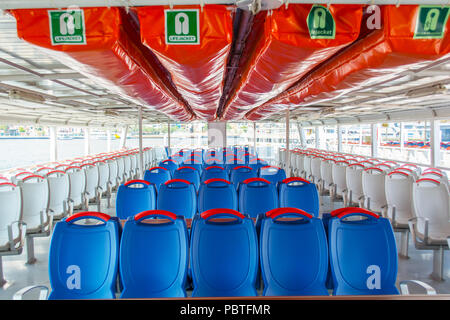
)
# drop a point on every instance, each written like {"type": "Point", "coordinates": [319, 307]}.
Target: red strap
{"type": "Point", "coordinates": [8, 184]}
{"type": "Point", "coordinates": [192, 160]}
{"type": "Point", "coordinates": [137, 181]}
{"type": "Point", "coordinates": [186, 167]}
{"type": "Point", "coordinates": [249, 180]}
{"type": "Point", "coordinates": [176, 180]}
{"type": "Point", "coordinates": [366, 161]}
{"type": "Point", "coordinates": [433, 172]}
{"type": "Point", "coordinates": [87, 164]}
{"type": "Point", "coordinates": [343, 161]}
{"type": "Point", "coordinates": [72, 167]}
{"type": "Point", "coordinates": [239, 167]}
{"type": "Point", "coordinates": [155, 212]}
{"type": "Point", "coordinates": [295, 179]}
{"type": "Point", "coordinates": [43, 168]}
{"type": "Point", "coordinates": [345, 211]}
{"type": "Point", "coordinates": [56, 171]}
{"type": "Point", "coordinates": [393, 162]}
{"type": "Point", "coordinates": [211, 212]}
{"type": "Point", "coordinates": [23, 172]}
{"type": "Point", "coordinates": [216, 179]}
{"type": "Point", "coordinates": [428, 179]}
{"type": "Point", "coordinates": [409, 165]}
{"type": "Point", "coordinates": [399, 172]}
{"type": "Point", "coordinates": [154, 168]}
{"type": "Point", "coordinates": [268, 167]}
{"type": "Point", "coordinates": [33, 176]}
{"type": "Point", "coordinates": [432, 169]}
{"type": "Point", "coordinates": [407, 169]}
{"type": "Point", "coordinates": [167, 160]}
{"type": "Point", "coordinates": [279, 211]}
{"type": "Point", "coordinates": [256, 159]}
{"type": "Point", "coordinates": [218, 167]}
{"type": "Point", "coordinates": [212, 159]}
{"type": "Point", "coordinates": [356, 164]}
{"type": "Point", "coordinates": [374, 168]}
{"type": "Point", "coordinates": [100, 215]}
{"type": "Point", "coordinates": [4, 178]}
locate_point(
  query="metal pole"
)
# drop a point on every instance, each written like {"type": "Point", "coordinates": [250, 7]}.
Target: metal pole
{"type": "Point", "coordinates": [339, 138]}
{"type": "Point", "coordinates": [254, 138]}
{"type": "Point", "coordinates": [168, 134]}
{"type": "Point", "coordinates": [141, 154]}
{"type": "Point", "coordinates": [123, 137]}
{"type": "Point", "coordinates": [374, 147]}
{"type": "Point", "coordinates": [87, 141]}
{"type": "Point", "coordinates": [435, 143]}
{"type": "Point", "coordinates": [53, 144]}
{"type": "Point", "coordinates": [108, 140]}
{"type": "Point", "coordinates": [287, 154]}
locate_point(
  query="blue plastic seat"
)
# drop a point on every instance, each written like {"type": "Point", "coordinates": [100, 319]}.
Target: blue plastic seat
{"type": "Point", "coordinates": [299, 193]}
{"type": "Point", "coordinates": [154, 255]}
{"type": "Point", "coordinates": [133, 197]}
{"type": "Point", "coordinates": [363, 253]}
{"type": "Point", "coordinates": [157, 176]}
{"type": "Point", "coordinates": [194, 163]}
{"type": "Point", "coordinates": [170, 164]}
{"type": "Point", "coordinates": [84, 258]}
{"type": "Point", "coordinates": [272, 173]}
{"type": "Point", "coordinates": [214, 172]}
{"type": "Point", "coordinates": [214, 161]}
{"type": "Point", "coordinates": [294, 253]}
{"type": "Point", "coordinates": [224, 254]}
{"type": "Point", "coordinates": [231, 163]}
{"type": "Point", "coordinates": [257, 196]}
{"type": "Point", "coordinates": [217, 193]}
{"type": "Point", "coordinates": [257, 163]}
{"type": "Point", "coordinates": [178, 196]}
{"type": "Point", "coordinates": [241, 173]}
{"type": "Point", "coordinates": [188, 173]}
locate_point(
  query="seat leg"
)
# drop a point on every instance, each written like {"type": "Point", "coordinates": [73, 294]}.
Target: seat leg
{"type": "Point", "coordinates": [438, 264]}
{"type": "Point", "coordinates": [404, 239]}
{"type": "Point", "coordinates": [31, 259]}
{"type": "Point", "coordinates": [4, 284]}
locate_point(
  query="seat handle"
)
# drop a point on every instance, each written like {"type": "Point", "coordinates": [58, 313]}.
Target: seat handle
{"type": "Point", "coordinates": [216, 180]}
{"type": "Point", "coordinates": [295, 179]}
{"type": "Point", "coordinates": [286, 211]}
{"type": "Point", "coordinates": [268, 167]}
{"type": "Point", "coordinates": [398, 172]}
{"type": "Point", "coordinates": [155, 213]}
{"type": "Point", "coordinates": [55, 171]}
{"type": "Point", "coordinates": [137, 182]}
{"type": "Point", "coordinates": [352, 211]}
{"type": "Point", "coordinates": [155, 168]}
{"type": "Point", "coordinates": [176, 180]}
{"type": "Point", "coordinates": [186, 167]}
{"type": "Point", "coordinates": [8, 184]}
{"type": "Point", "coordinates": [251, 180]}
{"type": "Point", "coordinates": [214, 167]}
{"type": "Point", "coordinates": [221, 212]}
{"type": "Point", "coordinates": [88, 214]}
{"type": "Point", "coordinates": [428, 179]}
{"type": "Point", "coordinates": [33, 176]}
{"type": "Point", "coordinates": [374, 168]}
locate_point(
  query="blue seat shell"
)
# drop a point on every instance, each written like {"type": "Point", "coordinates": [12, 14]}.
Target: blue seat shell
{"type": "Point", "coordinates": [178, 196]}
{"type": "Point", "coordinates": [299, 193]}
{"type": "Point", "coordinates": [257, 196]}
{"type": "Point", "coordinates": [157, 176]}
{"type": "Point", "coordinates": [217, 193]}
{"type": "Point", "coordinates": [133, 197]}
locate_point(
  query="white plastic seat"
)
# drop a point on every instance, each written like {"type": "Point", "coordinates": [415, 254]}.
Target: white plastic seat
{"type": "Point", "coordinates": [373, 183]}
{"type": "Point", "coordinates": [316, 176]}
{"type": "Point", "coordinates": [120, 169]}
{"type": "Point", "coordinates": [35, 198]}
{"type": "Point", "coordinates": [326, 169]}
{"type": "Point", "coordinates": [398, 188]}
{"type": "Point", "coordinates": [338, 174]}
{"type": "Point", "coordinates": [77, 183]}
{"type": "Point", "coordinates": [12, 230]}
{"type": "Point", "coordinates": [437, 175]}
{"type": "Point", "coordinates": [430, 226]}
{"type": "Point", "coordinates": [353, 177]}
{"type": "Point", "coordinates": [92, 176]}
{"type": "Point", "coordinates": [127, 167]}
{"type": "Point", "coordinates": [59, 185]}
{"type": "Point", "coordinates": [307, 166]}
{"type": "Point", "coordinates": [300, 164]}
{"type": "Point", "coordinates": [134, 169]}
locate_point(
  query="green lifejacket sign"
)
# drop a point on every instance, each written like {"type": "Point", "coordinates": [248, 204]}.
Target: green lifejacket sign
{"type": "Point", "coordinates": [67, 26]}
{"type": "Point", "coordinates": [431, 21]}
{"type": "Point", "coordinates": [321, 23]}
{"type": "Point", "coordinates": [182, 26]}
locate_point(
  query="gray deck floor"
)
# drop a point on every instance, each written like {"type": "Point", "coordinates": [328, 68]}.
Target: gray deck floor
{"type": "Point", "coordinates": [19, 274]}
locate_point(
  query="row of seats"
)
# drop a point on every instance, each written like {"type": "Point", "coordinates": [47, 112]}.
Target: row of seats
{"type": "Point", "coordinates": [31, 199]}
{"type": "Point", "coordinates": [254, 196]}
{"type": "Point", "coordinates": [152, 253]}
{"type": "Point", "coordinates": [414, 200]}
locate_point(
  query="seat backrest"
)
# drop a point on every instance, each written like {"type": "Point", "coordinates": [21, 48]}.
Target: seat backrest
{"type": "Point", "coordinates": [307, 164]}
{"type": "Point", "coordinates": [431, 201]}
{"type": "Point", "coordinates": [338, 175]}
{"type": "Point", "coordinates": [363, 253]}
{"type": "Point", "coordinates": [436, 175]}
{"type": "Point", "coordinates": [194, 163]}
{"type": "Point", "coordinates": [217, 193]}
{"type": "Point", "coordinates": [154, 255]}
{"type": "Point", "coordinates": [272, 173]}
{"type": "Point", "coordinates": [188, 173]}
{"type": "Point", "coordinates": [84, 258]}
{"type": "Point", "coordinates": [133, 197]}
{"type": "Point", "coordinates": [59, 185]}
{"type": "Point", "coordinates": [91, 172]}
{"type": "Point", "coordinates": [315, 166]}
{"type": "Point", "coordinates": [224, 254]}
{"type": "Point", "coordinates": [77, 181]}
{"type": "Point", "coordinates": [178, 196]}
{"type": "Point", "coordinates": [326, 168]}
{"type": "Point", "coordinates": [257, 196]}
{"type": "Point", "coordinates": [373, 183]}
{"type": "Point", "coordinates": [353, 176]}
{"type": "Point", "coordinates": [120, 166]}
{"type": "Point", "coordinates": [157, 176]}
{"type": "Point", "coordinates": [299, 193]}
{"type": "Point", "coordinates": [300, 162]}
{"type": "Point", "coordinates": [240, 173]}
{"type": "Point", "coordinates": [214, 172]}
{"type": "Point", "coordinates": [103, 174]}
{"type": "Point", "coordinates": [35, 199]}
{"type": "Point", "coordinates": [113, 170]}
{"type": "Point", "coordinates": [294, 253]}
{"type": "Point", "coordinates": [10, 209]}
{"type": "Point", "coordinates": [398, 188]}
{"type": "Point", "coordinates": [169, 164]}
